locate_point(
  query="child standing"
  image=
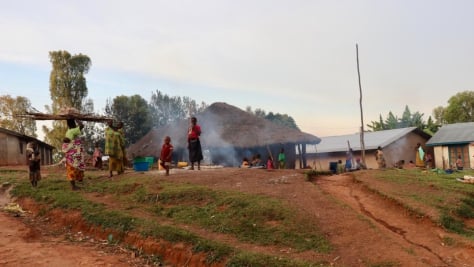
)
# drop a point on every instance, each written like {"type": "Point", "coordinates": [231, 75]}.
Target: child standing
{"type": "Point", "coordinates": [281, 159]}
{"type": "Point", "coordinates": [166, 154]}
{"type": "Point", "coordinates": [269, 163]}
{"type": "Point", "coordinates": [97, 157]}
{"type": "Point", "coordinates": [459, 163]}
{"type": "Point", "coordinates": [34, 163]}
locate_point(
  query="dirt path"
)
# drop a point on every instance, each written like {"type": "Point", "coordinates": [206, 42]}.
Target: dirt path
{"type": "Point", "coordinates": [364, 228]}
{"type": "Point", "coordinates": [26, 242]}
{"type": "Point", "coordinates": [400, 235]}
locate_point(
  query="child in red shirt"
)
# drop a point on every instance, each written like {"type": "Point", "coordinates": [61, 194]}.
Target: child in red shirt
{"type": "Point", "coordinates": [270, 163]}
{"type": "Point", "coordinates": [166, 153]}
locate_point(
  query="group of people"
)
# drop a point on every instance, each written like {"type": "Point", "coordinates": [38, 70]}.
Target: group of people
{"type": "Point", "coordinates": [257, 162]}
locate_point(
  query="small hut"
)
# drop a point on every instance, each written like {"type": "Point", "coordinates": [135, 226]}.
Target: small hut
{"type": "Point", "coordinates": [228, 135]}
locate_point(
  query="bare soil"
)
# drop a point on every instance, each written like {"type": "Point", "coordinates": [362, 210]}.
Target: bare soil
{"type": "Point", "coordinates": [365, 228]}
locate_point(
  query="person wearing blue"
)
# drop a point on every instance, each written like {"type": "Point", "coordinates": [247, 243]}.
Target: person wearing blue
{"type": "Point", "coordinates": [349, 160]}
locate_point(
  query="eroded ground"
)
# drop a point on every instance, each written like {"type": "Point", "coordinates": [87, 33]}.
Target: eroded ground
{"type": "Point", "coordinates": [364, 227]}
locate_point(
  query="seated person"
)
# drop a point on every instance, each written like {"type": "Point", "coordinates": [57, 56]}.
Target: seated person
{"type": "Point", "coordinates": [340, 167]}
{"type": "Point", "coordinates": [360, 165]}
{"type": "Point", "coordinates": [399, 164]}
{"type": "Point", "coordinates": [257, 161]}
{"type": "Point", "coordinates": [245, 163]}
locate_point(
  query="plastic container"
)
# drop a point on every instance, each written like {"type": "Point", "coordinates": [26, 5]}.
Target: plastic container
{"type": "Point", "coordinates": [140, 166]}
{"type": "Point", "coordinates": [150, 161]}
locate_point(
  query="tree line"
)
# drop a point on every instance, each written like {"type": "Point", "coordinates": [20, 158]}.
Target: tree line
{"type": "Point", "coordinates": [68, 88]}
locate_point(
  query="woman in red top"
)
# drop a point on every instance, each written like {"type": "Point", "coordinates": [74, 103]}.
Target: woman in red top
{"type": "Point", "coordinates": [194, 145]}
{"type": "Point", "coordinates": [166, 155]}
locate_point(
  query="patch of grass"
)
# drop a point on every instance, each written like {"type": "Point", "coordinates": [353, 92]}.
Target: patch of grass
{"type": "Point", "coordinates": [214, 210]}
{"type": "Point", "coordinates": [257, 260]}
{"type": "Point", "coordinates": [453, 200]}
{"type": "Point", "coordinates": [449, 241]}
{"type": "Point", "coordinates": [466, 209]}
{"type": "Point", "coordinates": [385, 264]}
{"type": "Point", "coordinates": [452, 224]}
{"type": "Point", "coordinates": [256, 219]}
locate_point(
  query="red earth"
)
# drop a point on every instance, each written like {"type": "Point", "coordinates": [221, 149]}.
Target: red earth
{"type": "Point", "coordinates": [364, 228]}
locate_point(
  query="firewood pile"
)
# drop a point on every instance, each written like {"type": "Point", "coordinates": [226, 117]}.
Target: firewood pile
{"type": "Point", "coordinates": [65, 114]}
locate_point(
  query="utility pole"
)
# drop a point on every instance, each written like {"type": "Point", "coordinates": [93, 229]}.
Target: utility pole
{"type": "Point", "coordinates": [362, 143]}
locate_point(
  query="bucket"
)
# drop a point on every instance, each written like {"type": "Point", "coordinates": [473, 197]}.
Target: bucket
{"type": "Point", "coordinates": [140, 166]}
{"type": "Point", "coordinates": [150, 161]}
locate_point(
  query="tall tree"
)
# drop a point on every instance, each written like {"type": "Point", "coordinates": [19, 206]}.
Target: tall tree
{"type": "Point", "coordinates": [460, 108]}
{"type": "Point", "coordinates": [12, 106]}
{"type": "Point", "coordinates": [67, 86]}
{"type": "Point", "coordinates": [377, 125]}
{"type": "Point", "coordinates": [165, 109]}
{"type": "Point", "coordinates": [277, 118]}
{"type": "Point", "coordinates": [135, 114]}
{"type": "Point", "coordinates": [408, 119]}
{"type": "Point", "coordinates": [431, 126]}
{"type": "Point", "coordinates": [392, 121]}
{"type": "Point", "coordinates": [438, 114]}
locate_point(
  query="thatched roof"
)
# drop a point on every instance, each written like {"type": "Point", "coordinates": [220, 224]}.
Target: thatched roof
{"type": "Point", "coordinates": [222, 126]}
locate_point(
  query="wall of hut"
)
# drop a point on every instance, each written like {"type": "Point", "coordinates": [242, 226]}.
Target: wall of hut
{"type": "Point", "coordinates": [446, 155]}
{"type": "Point", "coordinates": [401, 149]}
{"type": "Point", "coordinates": [13, 150]}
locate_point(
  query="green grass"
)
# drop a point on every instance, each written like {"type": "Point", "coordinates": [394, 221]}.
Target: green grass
{"type": "Point", "coordinates": [453, 200]}
{"type": "Point", "coordinates": [249, 218]}
{"type": "Point", "coordinates": [255, 260]}
{"type": "Point", "coordinates": [253, 219]}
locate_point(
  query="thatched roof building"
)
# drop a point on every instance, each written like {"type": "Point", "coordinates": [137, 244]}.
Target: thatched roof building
{"type": "Point", "coordinates": [228, 135]}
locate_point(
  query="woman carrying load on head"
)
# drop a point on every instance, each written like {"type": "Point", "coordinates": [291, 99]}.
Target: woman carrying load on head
{"type": "Point", "coordinates": [74, 150]}
{"type": "Point", "coordinates": [114, 148]}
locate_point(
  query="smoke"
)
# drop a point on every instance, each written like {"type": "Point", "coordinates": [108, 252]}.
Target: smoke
{"type": "Point", "coordinates": [216, 150]}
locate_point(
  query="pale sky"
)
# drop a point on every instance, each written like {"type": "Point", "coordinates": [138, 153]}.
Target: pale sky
{"type": "Point", "coordinates": [294, 57]}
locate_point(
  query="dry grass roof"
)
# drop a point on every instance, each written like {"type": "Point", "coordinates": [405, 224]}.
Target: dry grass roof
{"type": "Point", "coordinates": [222, 125]}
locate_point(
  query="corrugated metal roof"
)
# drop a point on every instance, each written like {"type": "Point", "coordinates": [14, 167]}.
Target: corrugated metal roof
{"type": "Point", "coordinates": [25, 137]}
{"type": "Point", "coordinates": [457, 133]}
{"type": "Point", "coordinates": [372, 140]}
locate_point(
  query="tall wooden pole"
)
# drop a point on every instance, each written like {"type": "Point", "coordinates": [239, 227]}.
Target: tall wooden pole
{"type": "Point", "coordinates": [362, 143]}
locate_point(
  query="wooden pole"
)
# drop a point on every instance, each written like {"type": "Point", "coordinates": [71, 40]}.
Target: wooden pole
{"type": "Point", "coordinates": [362, 143]}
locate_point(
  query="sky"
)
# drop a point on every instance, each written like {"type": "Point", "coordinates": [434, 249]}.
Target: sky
{"type": "Point", "coordinates": [295, 57]}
